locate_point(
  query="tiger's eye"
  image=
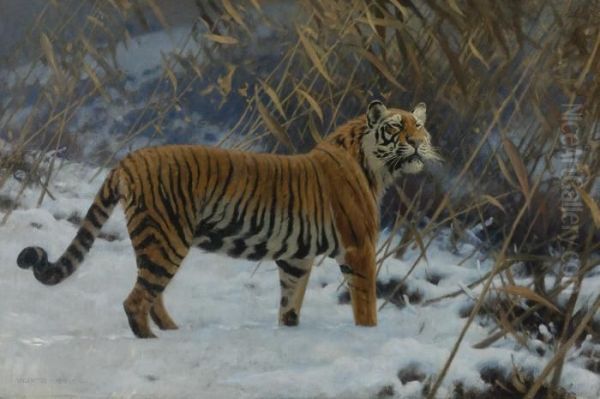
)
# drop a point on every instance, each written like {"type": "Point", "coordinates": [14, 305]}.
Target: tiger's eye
{"type": "Point", "coordinates": [391, 129]}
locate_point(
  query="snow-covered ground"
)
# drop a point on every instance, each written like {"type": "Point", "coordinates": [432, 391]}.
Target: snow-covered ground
{"type": "Point", "coordinates": [73, 340]}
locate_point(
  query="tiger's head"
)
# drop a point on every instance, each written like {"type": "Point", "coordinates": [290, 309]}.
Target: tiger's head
{"type": "Point", "coordinates": [396, 141]}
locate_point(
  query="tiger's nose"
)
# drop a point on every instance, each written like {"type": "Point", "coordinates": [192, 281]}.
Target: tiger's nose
{"type": "Point", "coordinates": [413, 142]}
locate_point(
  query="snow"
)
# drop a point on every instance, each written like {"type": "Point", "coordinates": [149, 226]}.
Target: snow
{"type": "Point", "coordinates": [144, 54]}
{"type": "Point", "coordinates": [73, 338]}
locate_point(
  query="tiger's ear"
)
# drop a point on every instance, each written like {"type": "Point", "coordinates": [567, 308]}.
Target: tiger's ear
{"type": "Point", "coordinates": [375, 112]}
{"type": "Point", "coordinates": [420, 113]}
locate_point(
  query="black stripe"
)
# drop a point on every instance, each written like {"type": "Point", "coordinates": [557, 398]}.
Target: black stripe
{"type": "Point", "coordinates": [276, 184]}
{"type": "Point", "coordinates": [197, 164]}
{"type": "Point", "coordinates": [148, 223]}
{"type": "Point", "coordinates": [173, 221]}
{"type": "Point", "coordinates": [109, 200]}
{"type": "Point", "coordinates": [190, 185]}
{"type": "Point", "coordinates": [91, 217]}
{"type": "Point", "coordinates": [227, 179]}
{"type": "Point", "coordinates": [290, 213]}
{"type": "Point", "coordinates": [303, 247]}
{"type": "Point", "coordinates": [367, 172]}
{"type": "Point", "coordinates": [257, 221]}
{"type": "Point", "coordinates": [177, 188]}
{"type": "Point", "coordinates": [209, 223]}
{"type": "Point", "coordinates": [259, 215]}
{"type": "Point", "coordinates": [252, 194]}
{"type": "Point", "coordinates": [150, 184]}
{"type": "Point", "coordinates": [153, 289]}
{"type": "Point", "coordinates": [168, 257]}
{"type": "Point", "coordinates": [260, 250]}
{"type": "Point", "coordinates": [283, 215]}
{"type": "Point", "coordinates": [140, 201]}
{"type": "Point", "coordinates": [236, 222]}
{"type": "Point", "coordinates": [341, 142]}
{"type": "Point", "coordinates": [99, 210]}
{"type": "Point", "coordinates": [85, 238]}
{"type": "Point", "coordinates": [75, 252]}
{"type": "Point", "coordinates": [143, 224]}
{"type": "Point", "coordinates": [335, 251]}
{"type": "Point", "coordinates": [158, 270]}
{"type": "Point", "coordinates": [239, 216]}
{"type": "Point", "coordinates": [176, 198]}
{"type": "Point", "coordinates": [349, 220]}
{"type": "Point", "coordinates": [127, 171]}
{"type": "Point", "coordinates": [224, 185]}
{"type": "Point", "coordinates": [215, 242]}
{"type": "Point", "coordinates": [290, 269]}
{"type": "Point", "coordinates": [66, 262]}
{"type": "Point", "coordinates": [239, 246]}
{"type": "Point", "coordinates": [146, 242]}
{"type": "Point", "coordinates": [217, 175]}
{"type": "Point", "coordinates": [345, 269]}
{"type": "Point", "coordinates": [322, 242]}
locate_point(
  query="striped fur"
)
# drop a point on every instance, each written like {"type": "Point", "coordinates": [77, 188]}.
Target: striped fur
{"type": "Point", "coordinates": [290, 209]}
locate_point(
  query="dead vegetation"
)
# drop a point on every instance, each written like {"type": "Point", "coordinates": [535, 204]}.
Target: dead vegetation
{"type": "Point", "coordinates": [512, 89]}
{"type": "Point", "coordinates": [397, 294]}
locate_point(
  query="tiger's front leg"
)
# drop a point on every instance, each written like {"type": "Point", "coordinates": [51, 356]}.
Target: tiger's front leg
{"type": "Point", "coordinates": [293, 277]}
{"type": "Point", "coordinates": [359, 269]}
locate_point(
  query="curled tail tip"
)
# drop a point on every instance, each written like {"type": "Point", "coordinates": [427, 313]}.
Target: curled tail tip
{"type": "Point", "coordinates": [35, 257]}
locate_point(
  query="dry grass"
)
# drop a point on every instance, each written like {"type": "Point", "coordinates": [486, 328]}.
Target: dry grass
{"type": "Point", "coordinates": [498, 78]}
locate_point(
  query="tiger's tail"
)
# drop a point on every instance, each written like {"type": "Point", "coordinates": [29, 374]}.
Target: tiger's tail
{"type": "Point", "coordinates": [51, 273]}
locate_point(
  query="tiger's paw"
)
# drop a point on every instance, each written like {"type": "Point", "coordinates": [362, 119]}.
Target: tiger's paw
{"type": "Point", "coordinates": [289, 318]}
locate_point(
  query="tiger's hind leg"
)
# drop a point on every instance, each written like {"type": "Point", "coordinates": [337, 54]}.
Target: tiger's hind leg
{"type": "Point", "coordinates": [156, 267]}
{"type": "Point", "coordinates": [154, 273]}
{"type": "Point", "coordinates": [158, 254]}
{"type": "Point", "coordinates": [161, 219]}
{"type": "Point", "coordinates": [293, 278]}
{"type": "Point", "coordinates": [160, 316]}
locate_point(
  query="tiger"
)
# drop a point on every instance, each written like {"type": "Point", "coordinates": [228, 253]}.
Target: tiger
{"type": "Point", "coordinates": [256, 206]}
